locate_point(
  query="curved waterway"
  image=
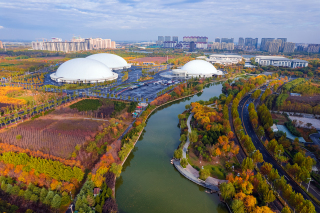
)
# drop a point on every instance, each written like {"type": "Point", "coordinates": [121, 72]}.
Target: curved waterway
{"type": "Point", "coordinates": [148, 182]}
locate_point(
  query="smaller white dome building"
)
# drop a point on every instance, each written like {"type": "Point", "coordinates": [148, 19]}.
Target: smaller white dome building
{"type": "Point", "coordinates": [197, 68]}
{"type": "Point", "coordinates": [83, 70]}
{"type": "Point", "coordinates": [112, 61]}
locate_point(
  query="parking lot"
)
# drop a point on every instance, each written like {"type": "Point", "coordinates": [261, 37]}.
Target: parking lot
{"type": "Point", "coordinates": [130, 87]}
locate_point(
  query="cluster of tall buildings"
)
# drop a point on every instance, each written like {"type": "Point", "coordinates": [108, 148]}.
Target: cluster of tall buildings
{"type": "Point", "coordinates": [76, 44]}
{"type": "Point", "coordinates": [222, 44]}
{"type": "Point", "coordinates": [1, 45]}
{"type": "Point", "coordinates": [247, 43]}
{"type": "Point", "coordinates": [188, 42]}
{"type": "Point", "coordinates": [273, 45]}
{"type": "Point", "coordinates": [310, 48]}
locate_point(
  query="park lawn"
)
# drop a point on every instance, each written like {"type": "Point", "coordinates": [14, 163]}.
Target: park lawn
{"type": "Point", "coordinates": [216, 171]}
{"type": "Point", "coordinates": [26, 98]}
{"type": "Point", "coordinates": [216, 166]}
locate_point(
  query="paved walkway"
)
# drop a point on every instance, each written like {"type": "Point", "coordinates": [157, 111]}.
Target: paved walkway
{"type": "Point", "coordinates": [185, 147]}
{"type": "Point", "coordinates": [191, 173]}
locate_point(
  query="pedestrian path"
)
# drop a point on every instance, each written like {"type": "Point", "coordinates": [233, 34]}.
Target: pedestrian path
{"type": "Point", "coordinates": [191, 173]}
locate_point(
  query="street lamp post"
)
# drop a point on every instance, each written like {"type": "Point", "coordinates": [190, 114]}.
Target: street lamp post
{"type": "Point", "coordinates": [309, 183]}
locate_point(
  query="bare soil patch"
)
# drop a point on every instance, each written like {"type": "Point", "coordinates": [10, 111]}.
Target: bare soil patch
{"type": "Point", "coordinates": [56, 133]}
{"type": "Point", "coordinates": [281, 119]}
{"type": "Point", "coordinates": [312, 100]}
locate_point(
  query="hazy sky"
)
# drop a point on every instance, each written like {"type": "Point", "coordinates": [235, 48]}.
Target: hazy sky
{"type": "Point", "coordinates": [136, 20]}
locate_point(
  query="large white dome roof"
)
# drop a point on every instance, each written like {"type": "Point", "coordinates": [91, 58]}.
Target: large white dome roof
{"type": "Point", "coordinates": [83, 69]}
{"type": "Point", "coordinates": [200, 67]}
{"type": "Point", "coordinates": [110, 60]}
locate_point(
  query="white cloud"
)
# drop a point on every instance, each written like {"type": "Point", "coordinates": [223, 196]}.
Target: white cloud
{"type": "Point", "coordinates": [1, 27]}
{"type": "Point", "coordinates": [213, 17]}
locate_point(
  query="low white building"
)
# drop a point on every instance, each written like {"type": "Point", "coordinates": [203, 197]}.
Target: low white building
{"type": "Point", "coordinates": [224, 59]}
{"type": "Point", "coordinates": [280, 61]}
{"type": "Point", "coordinates": [298, 63]}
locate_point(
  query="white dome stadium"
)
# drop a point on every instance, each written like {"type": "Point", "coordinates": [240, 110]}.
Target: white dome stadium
{"type": "Point", "coordinates": [83, 70]}
{"type": "Point", "coordinates": [197, 68]}
{"type": "Point", "coordinates": [200, 68]}
{"type": "Point", "coordinates": [112, 61]}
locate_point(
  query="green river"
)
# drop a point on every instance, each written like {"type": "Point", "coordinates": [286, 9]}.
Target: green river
{"type": "Point", "coordinates": [148, 182]}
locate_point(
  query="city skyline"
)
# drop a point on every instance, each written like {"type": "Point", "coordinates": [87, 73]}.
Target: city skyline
{"type": "Point", "coordinates": [127, 20]}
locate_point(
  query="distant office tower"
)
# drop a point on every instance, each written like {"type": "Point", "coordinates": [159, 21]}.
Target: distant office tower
{"type": "Point", "coordinates": [241, 41]}
{"type": "Point", "coordinates": [167, 38]}
{"type": "Point", "coordinates": [263, 43]}
{"type": "Point", "coordinates": [217, 40]}
{"type": "Point", "coordinates": [1, 45]}
{"type": "Point", "coordinates": [231, 40]}
{"type": "Point", "coordinates": [248, 42]}
{"type": "Point", "coordinates": [255, 43]}
{"type": "Point", "coordinates": [160, 38]}
{"type": "Point", "coordinates": [225, 40]}
{"type": "Point", "coordinates": [77, 44]}
{"type": "Point", "coordinates": [273, 46]}
{"type": "Point", "coordinates": [192, 46]}
{"type": "Point", "coordinates": [288, 47]}
{"type": "Point", "coordinates": [195, 38]}
{"type": "Point", "coordinates": [175, 38]}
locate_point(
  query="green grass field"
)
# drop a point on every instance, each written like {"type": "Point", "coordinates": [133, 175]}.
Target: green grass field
{"type": "Point", "coordinates": [216, 171]}
{"type": "Point", "coordinates": [86, 105]}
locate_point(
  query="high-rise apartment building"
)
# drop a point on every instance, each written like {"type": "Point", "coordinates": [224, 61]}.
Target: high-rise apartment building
{"type": "Point", "coordinates": [225, 40]}
{"type": "Point", "coordinates": [288, 47]}
{"type": "Point", "coordinates": [160, 38]}
{"type": "Point", "coordinates": [313, 48]}
{"type": "Point", "coordinates": [241, 41]}
{"type": "Point", "coordinates": [215, 45]}
{"type": "Point", "coordinates": [217, 40]}
{"type": "Point", "coordinates": [227, 46]}
{"type": "Point", "coordinates": [167, 38]}
{"type": "Point", "coordinates": [255, 42]}
{"type": "Point", "coordinates": [195, 38]}
{"type": "Point", "coordinates": [251, 43]}
{"type": "Point", "coordinates": [77, 44]}
{"type": "Point", "coordinates": [273, 46]}
{"type": "Point", "coordinates": [1, 45]}
{"type": "Point", "coordinates": [284, 40]}
{"type": "Point", "coordinates": [263, 43]}
{"type": "Point", "coordinates": [175, 38]}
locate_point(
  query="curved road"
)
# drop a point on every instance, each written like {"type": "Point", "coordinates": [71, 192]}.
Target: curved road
{"type": "Point", "coordinates": [244, 116]}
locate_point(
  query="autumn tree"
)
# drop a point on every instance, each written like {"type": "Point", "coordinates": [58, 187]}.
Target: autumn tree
{"type": "Point", "coordinates": [237, 206]}
{"type": "Point", "coordinates": [227, 190]}
{"type": "Point", "coordinates": [247, 163]}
